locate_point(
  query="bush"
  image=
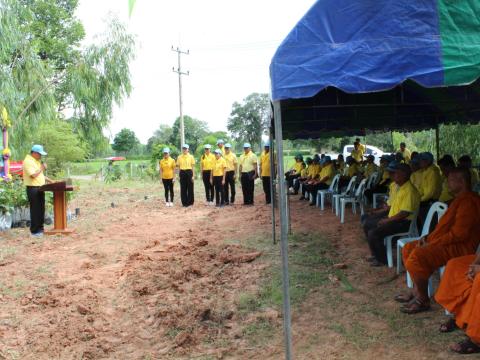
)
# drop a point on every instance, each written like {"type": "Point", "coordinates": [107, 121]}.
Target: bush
{"type": "Point", "coordinates": [12, 195]}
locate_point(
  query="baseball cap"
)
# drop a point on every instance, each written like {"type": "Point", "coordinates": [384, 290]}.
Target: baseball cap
{"type": "Point", "coordinates": [325, 160]}
{"type": "Point", "coordinates": [266, 144]}
{"type": "Point", "coordinates": [247, 145]}
{"type": "Point", "coordinates": [228, 145]}
{"type": "Point", "coordinates": [38, 149]}
{"type": "Point", "coordinates": [426, 156]}
{"type": "Point", "coordinates": [219, 141]}
{"type": "Point", "coordinates": [186, 146]}
{"type": "Point", "coordinates": [207, 146]}
{"type": "Point", "coordinates": [393, 165]}
{"type": "Point", "coordinates": [166, 150]}
{"type": "Point", "coordinates": [218, 151]}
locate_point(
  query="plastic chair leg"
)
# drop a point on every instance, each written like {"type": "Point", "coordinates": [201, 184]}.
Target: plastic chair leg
{"type": "Point", "coordinates": [342, 210]}
{"type": "Point", "coordinates": [322, 201]}
{"type": "Point", "coordinates": [399, 259]}
{"type": "Point", "coordinates": [409, 281]}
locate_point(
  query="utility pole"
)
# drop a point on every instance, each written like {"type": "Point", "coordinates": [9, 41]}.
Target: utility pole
{"type": "Point", "coordinates": [180, 73]}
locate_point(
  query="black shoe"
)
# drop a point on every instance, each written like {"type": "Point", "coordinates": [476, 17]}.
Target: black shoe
{"type": "Point", "coordinates": [312, 204]}
{"type": "Point", "coordinates": [302, 198]}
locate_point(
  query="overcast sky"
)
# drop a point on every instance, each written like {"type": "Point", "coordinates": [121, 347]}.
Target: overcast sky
{"type": "Point", "coordinates": [231, 44]}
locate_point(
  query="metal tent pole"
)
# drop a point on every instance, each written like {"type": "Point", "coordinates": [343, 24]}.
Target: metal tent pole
{"type": "Point", "coordinates": [287, 321]}
{"type": "Point", "coordinates": [272, 184]}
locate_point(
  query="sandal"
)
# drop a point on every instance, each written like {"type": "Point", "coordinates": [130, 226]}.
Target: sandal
{"type": "Point", "coordinates": [415, 306]}
{"type": "Point", "coordinates": [448, 326]}
{"type": "Point", "coordinates": [465, 347]}
{"type": "Point", "coordinates": [403, 298]}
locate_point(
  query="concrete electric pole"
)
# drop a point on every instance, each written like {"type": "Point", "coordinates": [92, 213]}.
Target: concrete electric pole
{"type": "Point", "coordinates": [180, 73]}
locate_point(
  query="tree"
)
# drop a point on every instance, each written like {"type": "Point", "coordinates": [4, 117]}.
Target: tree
{"type": "Point", "coordinates": [161, 136]}
{"type": "Point", "coordinates": [195, 131]}
{"type": "Point", "coordinates": [61, 143]}
{"type": "Point", "coordinates": [125, 142]}
{"type": "Point", "coordinates": [44, 70]}
{"type": "Point", "coordinates": [248, 120]}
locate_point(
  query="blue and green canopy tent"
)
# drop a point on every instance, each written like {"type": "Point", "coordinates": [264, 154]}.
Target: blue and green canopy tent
{"type": "Point", "coordinates": [350, 66]}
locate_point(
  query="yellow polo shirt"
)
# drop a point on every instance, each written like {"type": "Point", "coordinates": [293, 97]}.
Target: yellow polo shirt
{"type": "Point", "coordinates": [231, 160]}
{"type": "Point", "coordinates": [329, 171]}
{"type": "Point", "coordinates": [219, 166]}
{"type": "Point", "coordinates": [265, 164]}
{"type": "Point", "coordinates": [357, 155]}
{"type": "Point", "coordinates": [407, 155]}
{"type": "Point", "coordinates": [249, 161]}
{"type": "Point", "coordinates": [385, 175]}
{"type": "Point", "coordinates": [185, 162]}
{"type": "Point", "coordinates": [297, 167]}
{"type": "Point", "coordinates": [30, 167]}
{"type": "Point", "coordinates": [431, 183]}
{"type": "Point", "coordinates": [370, 168]}
{"type": "Point", "coordinates": [315, 170]}
{"type": "Point", "coordinates": [362, 148]}
{"type": "Point", "coordinates": [406, 198]}
{"type": "Point", "coordinates": [416, 179]}
{"type": "Point", "coordinates": [207, 161]}
{"type": "Point", "coordinates": [352, 170]}
{"type": "Point", "coordinates": [392, 190]}
{"type": "Point", "coordinates": [445, 195]}
{"type": "Point", "coordinates": [222, 149]}
{"type": "Point", "coordinates": [341, 167]}
{"type": "Point", "coordinates": [304, 173]}
{"type": "Point", "coordinates": [168, 168]}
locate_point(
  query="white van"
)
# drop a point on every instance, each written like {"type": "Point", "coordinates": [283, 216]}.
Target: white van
{"type": "Point", "coordinates": [371, 150]}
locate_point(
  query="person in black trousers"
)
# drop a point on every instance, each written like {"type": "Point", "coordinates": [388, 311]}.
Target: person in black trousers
{"type": "Point", "coordinates": [265, 172]}
{"type": "Point", "coordinates": [33, 179]}
{"type": "Point", "coordinates": [217, 178]}
{"type": "Point", "coordinates": [230, 174]}
{"type": "Point", "coordinates": [206, 165]}
{"type": "Point", "coordinates": [186, 164]}
{"type": "Point", "coordinates": [248, 168]}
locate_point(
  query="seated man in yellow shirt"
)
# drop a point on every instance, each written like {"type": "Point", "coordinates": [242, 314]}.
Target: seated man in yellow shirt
{"type": "Point", "coordinates": [447, 164]}
{"type": "Point", "coordinates": [383, 185]}
{"type": "Point", "coordinates": [313, 174]}
{"type": "Point", "coordinates": [324, 179]}
{"type": "Point", "coordinates": [430, 185]}
{"type": "Point", "coordinates": [294, 172]}
{"type": "Point", "coordinates": [352, 169]}
{"type": "Point", "coordinates": [33, 179]}
{"type": "Point", "coordinates": [305, 174]}
{"type": "Point", "coordinates": [370, 167]}
{"type": "Point", "coordinates": [396, 217]}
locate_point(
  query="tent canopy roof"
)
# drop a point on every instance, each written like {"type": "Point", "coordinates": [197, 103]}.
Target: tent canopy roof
{"type": "Point", "coordinates": [353, 65]}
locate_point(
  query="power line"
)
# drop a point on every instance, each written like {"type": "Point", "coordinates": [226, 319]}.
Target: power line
{"type": "Point", "coordinates": [180, 73]}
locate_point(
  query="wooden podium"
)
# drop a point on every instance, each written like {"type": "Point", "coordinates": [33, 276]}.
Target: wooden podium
{"type": "Point", "coordinates": [59, 190]}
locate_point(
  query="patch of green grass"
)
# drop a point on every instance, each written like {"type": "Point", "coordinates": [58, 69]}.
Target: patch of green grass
{"type": "Point", "coordinates": [16, 290]}
{"type": "Point", "coordinates": [257, 332]}
{"type": "Point", "coordinates": [173, 332]}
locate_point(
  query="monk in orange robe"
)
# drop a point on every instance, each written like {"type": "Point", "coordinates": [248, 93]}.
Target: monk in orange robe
{"type": "Point", "coordinates": [459, 293]}
{"type": "Point", "coordinates": [457, 234]}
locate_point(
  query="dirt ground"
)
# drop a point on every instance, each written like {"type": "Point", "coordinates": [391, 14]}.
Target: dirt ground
{"type": "Point", "coordinates": [141, 281]}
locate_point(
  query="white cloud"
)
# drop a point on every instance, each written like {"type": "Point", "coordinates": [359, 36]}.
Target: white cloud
{"type": "Point", "coordinates": [231, 44]}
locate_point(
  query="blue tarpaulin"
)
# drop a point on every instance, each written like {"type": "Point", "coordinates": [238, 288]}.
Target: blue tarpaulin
{"type": "Point", "coordinates": [361, 46]}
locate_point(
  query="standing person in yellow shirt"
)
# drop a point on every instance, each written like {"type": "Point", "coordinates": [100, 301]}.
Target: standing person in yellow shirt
{"type": "Point", "coordinates": [265, 172]}
{"type": "Point", "coordinates": [361, 147]}
{"type": "Point", "coordinates": [167, 174]}
{"type": "Point", "coordinates": [221, 146]}
{"type": "Point", "coordinates": [186, 164]}
{"type": "Point", "coordinates": [217, 178]}
{"type": "Point", "coordinates": [357, 153]}
{"type": "Point", "coordinates": [407, 155]}
{"type": "Point", "coordinates": [33, 179]}
{"type": "Point", "coordinates": [206, 166]}
{"type": "Point", "coordinates": [230, 174]}
{"type": "Point", "coordinates": [248, 170]}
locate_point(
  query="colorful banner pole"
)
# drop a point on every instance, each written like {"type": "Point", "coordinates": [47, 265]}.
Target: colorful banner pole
{"type": "Point", "coordinates": [5, 123]}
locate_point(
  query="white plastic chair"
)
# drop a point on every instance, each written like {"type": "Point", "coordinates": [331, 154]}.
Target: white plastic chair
{"type": "Point", "coordinates": [357, 198]}
{"type": "Point", "coordinates": [438, 208]}
{"type": "Point", "coordinates": [412, 232]}
{"type": "Point", "coordinates": [376, 196]}
{"type": "Point", "coordinates": [348, 192]}
{"type": "Point", "coordinates": [322, 194]}
{"type": "Point", "coordinates": [371, 180]}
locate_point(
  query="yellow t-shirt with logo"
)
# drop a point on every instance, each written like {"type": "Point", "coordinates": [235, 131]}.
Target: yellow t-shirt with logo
{"type": "Point", "coordinates": [30, 167]}
{"type": "Point", "coordinates": [185, 162]}
{"type": "Point", "coordinates": [406, 198]}
{"type": "Point", "coordinates": [249, 161]}
{"type": "Point", "coordinates": [168, 168]}
{"type": "Point", "coordinates": [265, 164]}
{"type": "Point", "coordinates": [231, 160]}
{"type": "Point", "coordinates": [207, 161]}
{"type": "Point", "coordinates": [219, 166]}
{"type": "Point", "coordinates": [327, 171]}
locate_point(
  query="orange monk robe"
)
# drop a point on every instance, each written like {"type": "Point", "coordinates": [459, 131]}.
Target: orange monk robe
{"type": "Point", "coordinates": [456, 234]}
{"type": "Point", "coordinates": [461, 296]}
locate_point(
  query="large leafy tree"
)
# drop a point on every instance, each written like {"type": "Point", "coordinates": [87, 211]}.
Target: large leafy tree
{"type": "Point", "coordinates": [161, 136]}
{"type": "Point", "coordinates": [249, 119]}
{"type": "Point", "coordinates": [195, 131]}
{"type": "Point", "coordinates": [125, 142]}
{"type": "Point", "coordinates": [45, 74]}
